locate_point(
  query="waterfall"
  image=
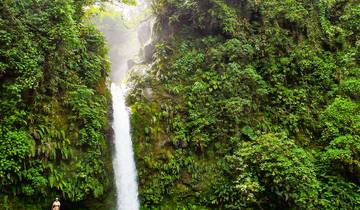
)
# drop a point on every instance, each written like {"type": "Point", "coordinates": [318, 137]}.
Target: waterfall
{"type": "Point", "coordinates": [128, 38]}
{"type": "Point", "coordinates": [123, 162]}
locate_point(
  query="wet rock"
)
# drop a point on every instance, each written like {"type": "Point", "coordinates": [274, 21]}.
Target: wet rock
{"type": "Point", "coordinates": [149, 51]}
{"type": "Point", "coordinates": [131, 63]}
{"type": "Point", "coordinates": [144, 32]}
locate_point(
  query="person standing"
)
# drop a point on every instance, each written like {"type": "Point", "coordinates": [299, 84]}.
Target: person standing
{"type": "Point", "coordinates": [56, 204]}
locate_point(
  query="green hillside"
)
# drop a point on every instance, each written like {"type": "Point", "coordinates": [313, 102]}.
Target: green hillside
{"type": "Point", "coordinates": [255, 105]}
{"type": "Point", "coordinates": [53, 106]}
{"type": "Point", "coordinates": [248, 104]}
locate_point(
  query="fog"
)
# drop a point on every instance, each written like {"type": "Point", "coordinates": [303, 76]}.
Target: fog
{"type": "Point", "coordinates": [127, 31]}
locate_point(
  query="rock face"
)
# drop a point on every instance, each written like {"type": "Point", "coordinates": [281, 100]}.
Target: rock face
{"type": "Point", "coordinates": [149, 51]}
{"type": "Point", "coordinates": [131, 63]}
{"type": "Point", "coordinates": [144, 32]}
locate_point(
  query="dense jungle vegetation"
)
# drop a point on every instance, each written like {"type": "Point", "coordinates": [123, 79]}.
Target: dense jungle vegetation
{"type": "Point", "coordinates": [255, 105]}
{"type": "Point", "coordinates": [53, 107]}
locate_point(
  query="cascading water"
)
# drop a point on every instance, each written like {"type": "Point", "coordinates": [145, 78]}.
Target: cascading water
{"type": "Point", "coordinates": [126, 38]}
{"type": "Point", "coordinates": [124, 165]}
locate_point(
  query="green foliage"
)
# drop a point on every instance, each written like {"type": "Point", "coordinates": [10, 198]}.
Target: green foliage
{"type": "Point", "coordinates": [270, 172]}
{"type": "Point", "coordinates": [53, 107]}
{"type": "Point", "coordinates": [16, 146]}
{"type": "Point", "coordinates": [341, 132]}
{"type": "Point", "coordinates": [272, 86]}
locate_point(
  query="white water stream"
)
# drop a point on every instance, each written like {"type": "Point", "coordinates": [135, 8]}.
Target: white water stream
{"type": "Point", "coordinates": [123, 162]}
{"type": "Point", "coordinates": [126, 37]}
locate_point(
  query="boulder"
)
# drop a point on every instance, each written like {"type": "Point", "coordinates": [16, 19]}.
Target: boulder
{"type": "Point", "coordinates": [144, 32]}
{"type": "Point", "coordinates": [131, 63]}
{"type": "Point", "coordinates": [149, 51]}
